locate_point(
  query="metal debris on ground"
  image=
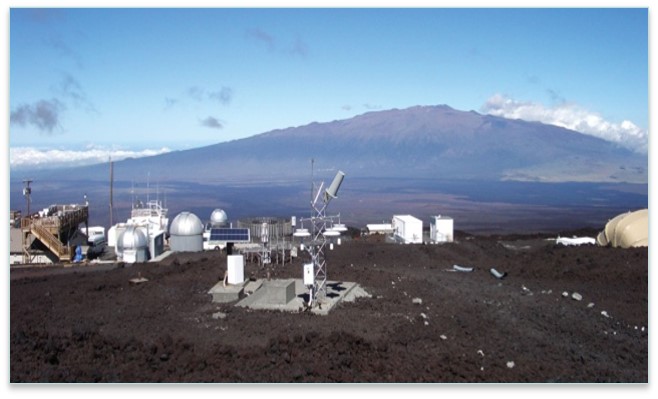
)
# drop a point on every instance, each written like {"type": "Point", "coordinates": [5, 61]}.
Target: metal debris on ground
{"type": "Point", "coordinates": [464, 269]}
{"type": "Point", "coordinates": [138, 280]}
{"type": "Point", "coordinates": [497, 274]}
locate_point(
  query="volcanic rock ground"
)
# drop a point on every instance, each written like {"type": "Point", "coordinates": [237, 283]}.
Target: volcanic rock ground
{"type": "Point", "coordinates": [423, 323]}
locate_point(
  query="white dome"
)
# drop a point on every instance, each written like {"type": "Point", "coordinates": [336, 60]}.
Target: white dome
{"type": "Point", "coordinates": [186, 224]}
{"type": "Point", "coordinates": [132, 238]}
{"type": "Point", "coordinates": [218, 218]}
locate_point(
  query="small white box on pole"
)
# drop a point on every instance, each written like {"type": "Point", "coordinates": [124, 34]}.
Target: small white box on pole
{"type": "Point", "coordinates": [309, 278]}
{"type": "Point", "coordinates": [235, 269]}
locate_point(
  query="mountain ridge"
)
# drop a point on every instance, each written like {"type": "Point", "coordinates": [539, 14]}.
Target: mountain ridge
{"type": "Point", "coordinates": [420, 142]}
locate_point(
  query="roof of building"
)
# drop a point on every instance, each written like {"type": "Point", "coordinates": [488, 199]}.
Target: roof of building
{"type": "Point", "coordinates": [407, 218]}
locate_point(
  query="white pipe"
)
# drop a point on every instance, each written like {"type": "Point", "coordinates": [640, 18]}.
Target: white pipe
{"type": "Point", "coordinates": [462, 268]}
{"type": "Point", "coordinates": [497, 274]}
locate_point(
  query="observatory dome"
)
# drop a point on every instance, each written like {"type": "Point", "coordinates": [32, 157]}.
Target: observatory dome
{"type": "Point", "coordinates": [132, 238]}
{"type": "Point", "coordinates": [186, 224]}
{"type": "Point", "coordinates": [218, 218]}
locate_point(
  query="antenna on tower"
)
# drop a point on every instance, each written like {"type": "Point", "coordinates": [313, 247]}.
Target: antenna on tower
{"type": "Point", "coordinates": [132, 194]}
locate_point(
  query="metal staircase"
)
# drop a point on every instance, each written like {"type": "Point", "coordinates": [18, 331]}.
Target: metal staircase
{"type": "Point", "coordinates": [63, 252]}
{"type": "Point", "coordinates": [54, 230]}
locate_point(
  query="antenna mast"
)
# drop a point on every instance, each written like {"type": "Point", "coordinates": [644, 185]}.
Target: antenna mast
{"type": "Point", "coordinates": [111, 192]}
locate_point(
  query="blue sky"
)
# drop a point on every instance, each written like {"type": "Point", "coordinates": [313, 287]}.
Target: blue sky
{"type": "Point", "coordinates": [131, 80]}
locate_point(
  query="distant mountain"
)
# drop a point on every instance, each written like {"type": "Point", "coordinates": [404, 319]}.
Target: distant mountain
{"type": "Point", "coordinates": [419, 142]}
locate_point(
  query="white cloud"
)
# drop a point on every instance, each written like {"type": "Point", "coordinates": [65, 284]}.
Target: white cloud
{"type": "Point", "coordinates": [35, 158]}
{"type": "Point", "coordinates": [573, 117]}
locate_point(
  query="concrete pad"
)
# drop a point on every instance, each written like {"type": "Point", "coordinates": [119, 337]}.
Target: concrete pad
{"type": "Point", "coordinates": [252, 286]}
{"type": "Point", "coordinates": [229, 293]}
{"type": "Point", "coordinates": [337, 291]}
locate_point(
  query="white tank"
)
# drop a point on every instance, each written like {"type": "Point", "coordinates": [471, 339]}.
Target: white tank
{"type": "Point", "coordinates": [218, 218]}
{"type": "Point", "coordinates": [186, 224]}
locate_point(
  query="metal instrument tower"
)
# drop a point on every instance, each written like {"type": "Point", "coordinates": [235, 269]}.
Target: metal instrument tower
{"type": "Point", "coordinates": [320, 234]}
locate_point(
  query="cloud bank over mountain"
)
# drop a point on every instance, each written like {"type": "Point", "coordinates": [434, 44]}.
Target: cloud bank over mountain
{"type": "Point", "coordinates": [573, 117]}
{"type": "Point", "coordinates": [35, 158]}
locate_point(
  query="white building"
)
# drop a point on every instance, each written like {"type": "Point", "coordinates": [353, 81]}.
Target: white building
{"type": "Point", "coordinates": [381, 228]}
{"type": "Point", "coordinates": [151, 220]}
{"type": "Point", "coordinates": [441, 229]}
{"type": "Point", "coordinates": [408, 229]}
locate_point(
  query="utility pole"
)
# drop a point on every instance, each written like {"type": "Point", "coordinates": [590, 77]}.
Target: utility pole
{"type": "Point", "coordinates": [27, 191]}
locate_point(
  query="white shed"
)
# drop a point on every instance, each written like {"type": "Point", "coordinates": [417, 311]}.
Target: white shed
{"type": "Point", "coordinates": [441, 229]}
{"type": "Point", "coordinates": [382, 228]}
{"type": "Point", "coordinates": [408, 229]}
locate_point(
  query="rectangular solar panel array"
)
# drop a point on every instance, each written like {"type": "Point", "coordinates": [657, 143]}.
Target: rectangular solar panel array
{"type": "Point", "coordinates": [229, 234]}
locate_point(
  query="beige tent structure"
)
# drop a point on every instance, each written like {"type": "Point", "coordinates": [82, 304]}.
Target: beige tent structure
{"type": "Point", "coordinates": [630, 229]}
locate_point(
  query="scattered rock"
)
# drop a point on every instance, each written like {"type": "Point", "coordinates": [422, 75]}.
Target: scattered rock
{"type": "Point", "coordinates": [510, 364]}
{"type": "Point", "coordinates": [565, 294]}
{"type": "Point", "coordinates": [443, 337]}
{"type": "Point", "coordinates": [480, 352]}
{"type": "Point", "coordinates": [417, 301]}
{"type": "Point", "coordinates": [577, 296]}
{"type": "Point", "coordinates": [219, 315]}
{"type": "Point", "coordinates": [605, 314]}
{"type": "Point", "coordinates": [590, 305]}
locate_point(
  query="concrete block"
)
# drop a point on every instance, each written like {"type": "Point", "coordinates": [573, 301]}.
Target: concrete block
{"type": "Point", "coordinates": [230, 293]}
{"type": "Point", "coordinates": [279, 292]}
{"type": "Point", "coordinates": [235, 269]}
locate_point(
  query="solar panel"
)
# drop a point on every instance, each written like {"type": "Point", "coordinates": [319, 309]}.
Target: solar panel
{"type": "Point", "coordinates": [229, 234]}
